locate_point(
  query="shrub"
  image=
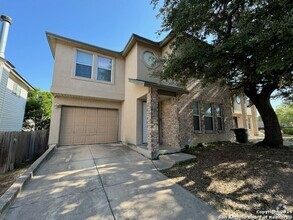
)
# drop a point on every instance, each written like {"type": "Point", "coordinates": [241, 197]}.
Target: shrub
{"type": "Point", "coordinates": [288, 131]}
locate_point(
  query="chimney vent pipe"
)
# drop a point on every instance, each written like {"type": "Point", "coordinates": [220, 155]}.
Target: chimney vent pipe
{"type": "Point", "coordinates": [6, 22]}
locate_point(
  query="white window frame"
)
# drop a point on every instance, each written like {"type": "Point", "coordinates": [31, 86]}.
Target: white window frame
{"type": "Point", "coordinates": [16, 89]}
{"type": "Point", "coordinates": [196, 115]}
{"type": "Point", "coordinates": [219, 116]}
{"type": "Point", "coordinates": [75, 62]}
{"type": "Point", "coordinates": [94, 73]}
{"type": "Point", "coordinates": [97, 66]}
{"type": "Point", "coordinates": [209, 116]}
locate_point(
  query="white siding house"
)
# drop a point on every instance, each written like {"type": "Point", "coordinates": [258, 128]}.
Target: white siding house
{"type": "Point", "coordinates": [13, 88]}
{"type": "Point", "coordinates": [13, 95]}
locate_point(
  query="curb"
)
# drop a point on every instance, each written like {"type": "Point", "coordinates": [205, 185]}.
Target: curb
{"type": "Point", "coordinates": [7, 199]}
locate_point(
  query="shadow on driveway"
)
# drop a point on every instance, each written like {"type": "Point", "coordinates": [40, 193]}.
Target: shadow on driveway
{"type": "Point", "coordinates": [104, 182]}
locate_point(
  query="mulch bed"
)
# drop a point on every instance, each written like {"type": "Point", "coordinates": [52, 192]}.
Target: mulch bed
{"type": "Point", "coordinates": [238, 179]}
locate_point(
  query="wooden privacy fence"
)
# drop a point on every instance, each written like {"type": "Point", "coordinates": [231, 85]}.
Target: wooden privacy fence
{"type": "Point", "coordinates": [20, 147]}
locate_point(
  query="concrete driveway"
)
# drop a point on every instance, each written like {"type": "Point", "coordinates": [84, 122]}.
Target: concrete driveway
{"type": "Point", "coordinates": [104, 182]}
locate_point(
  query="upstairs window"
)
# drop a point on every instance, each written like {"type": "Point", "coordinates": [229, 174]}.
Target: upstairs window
{"type": "Point", "coordinates": [16, 89]}
{"type": "Point", "coordinates": [219, 117]}
{"type": "Point", "coordinates": [84, 63]}
{"type": "Point", "coordinates": [196, 116]}
{"type": "Point", "coordinates": [208, 117]}
{"type": "Point", "coordinates": [104, 70]}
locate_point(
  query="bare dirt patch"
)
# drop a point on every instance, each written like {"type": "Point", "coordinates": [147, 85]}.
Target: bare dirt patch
{"type": "Point", "coordinates": [7, 179]}
{"type": "Point", "coordinates": [238, 179]}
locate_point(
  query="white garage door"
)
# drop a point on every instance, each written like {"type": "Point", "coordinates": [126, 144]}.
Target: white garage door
{"type": "Point", "coordinates": [88, 126]}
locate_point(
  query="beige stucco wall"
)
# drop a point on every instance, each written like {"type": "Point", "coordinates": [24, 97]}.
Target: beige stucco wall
{"type": "Point", "coordinates": [237, 108]}
{"type": "Point", "coordinates": [65, 82]}
{"type": "Point", "coordinates": [143, 72]}
{"type": "Point", "coordinates": [250, 122]}
{"type": "Point", "coordinates": [252, 126]}
{"type": "Point", "coordinates": [58, 102]}
{"type": "Point", "coordinates": [166, 50]}
{"type": "Point", "coordinates": [131, 129]}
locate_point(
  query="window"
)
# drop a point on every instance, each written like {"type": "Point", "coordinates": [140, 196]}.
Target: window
{"type": "Point", "coordinates": [16, 89]}
{"type": "Point", "coordinates": [83, 64]}
{"type": "Point", "coordinates": [219, 117]}
{"type": "Point", "coordinates": [238, 100]}
{"type": "Point", "coordinates": [104, 71]}
{"type": "Point", "coordinates": [196, 116]}
{"type": "Point", "coordinates": [249, 123]}
{"type": "Point", "coordinates": [208, 117]}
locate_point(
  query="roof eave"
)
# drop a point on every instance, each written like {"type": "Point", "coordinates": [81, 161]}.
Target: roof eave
{"type": "Point", "coordinates": [16, 74]}
{"type": "Point", "coordinates": [52, 44]}
{"type": "Point", "coordinates": [22, 79]}
{"type": "Point", "coordinates": [53, 38]}
{"type": "Point", "coordinates": [136, 38]}
{"type": "Point", "coordinates": [167, 39]}
{"type": "Point", "coordinates": [158, 86]}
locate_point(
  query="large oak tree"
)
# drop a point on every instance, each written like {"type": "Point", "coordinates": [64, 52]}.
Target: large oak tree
{"type": "Point", "coordinates": [247, 44]}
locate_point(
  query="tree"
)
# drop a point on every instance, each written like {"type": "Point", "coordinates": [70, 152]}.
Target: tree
{"type": "Point", "coordinates": [38, 108]}
{"type": "Point", "coordinates": [285, 116]}
{"type": "Point", "coordinates": [246, 44]}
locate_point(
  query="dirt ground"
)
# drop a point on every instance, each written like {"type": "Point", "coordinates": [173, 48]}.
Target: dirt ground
{"type": "Point", "coordinates": [7, 179]}
{"type": "Point", "coordinates": [239, 179]}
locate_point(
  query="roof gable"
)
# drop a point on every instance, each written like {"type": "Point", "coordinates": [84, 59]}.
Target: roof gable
{"type": "Point", "coordinates": [53, 38]}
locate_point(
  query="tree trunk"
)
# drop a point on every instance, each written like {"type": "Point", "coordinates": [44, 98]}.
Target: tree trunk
{"type": "Point", "coordinates": [273, 134]}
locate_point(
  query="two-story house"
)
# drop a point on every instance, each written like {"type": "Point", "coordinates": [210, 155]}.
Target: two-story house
{"type": "Point", "coordinates": [105, 96]}
{"type": "Point", "coordinates": [13, 88]}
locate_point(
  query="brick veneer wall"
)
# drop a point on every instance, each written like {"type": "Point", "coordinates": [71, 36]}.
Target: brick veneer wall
{"type": "Point", "coordinates": [152, 120]}
{"type": "Point", "coordinates": [180, 109]}
{"type": "Point", "coordinates": [170, 123]}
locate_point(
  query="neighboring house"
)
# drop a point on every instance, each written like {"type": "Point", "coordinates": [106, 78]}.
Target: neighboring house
{"type": "Point", "coordinates": [244, 115]}
{"type": "Point", "coordinates": [13, 88]}
{"type": "Point", "coordinates": [104, 96]}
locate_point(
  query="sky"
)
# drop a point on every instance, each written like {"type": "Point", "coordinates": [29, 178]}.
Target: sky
{"type": "Point", "coordinates": [104, 23]}
{"type": "Point", "coordinates": [107, 23]}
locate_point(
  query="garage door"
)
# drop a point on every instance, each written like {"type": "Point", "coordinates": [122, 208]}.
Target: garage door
{"type": "Point", "coordinates": [88, 126]}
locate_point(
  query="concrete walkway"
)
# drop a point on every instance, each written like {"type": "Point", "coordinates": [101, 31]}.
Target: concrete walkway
{"type": "Point", "coordinates": [104, 182]}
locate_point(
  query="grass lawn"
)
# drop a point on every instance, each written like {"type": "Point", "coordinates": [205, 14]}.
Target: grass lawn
{"type": "Point", "coordinates": [238, 179]}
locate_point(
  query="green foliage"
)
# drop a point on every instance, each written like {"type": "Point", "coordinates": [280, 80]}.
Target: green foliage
{"type": "Point", "coordinates": [246, 43]}
{"type": "Point", "coordinates": [38, 108]}
{"type": "Point", "coordinates": [285, 116]}
{"type": "Point", "coordinates": [288, 131]}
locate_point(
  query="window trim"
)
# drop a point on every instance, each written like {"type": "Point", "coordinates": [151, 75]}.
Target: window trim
{"type": "Point", "coordinates": [155, 64]}
{"type": "Point", "coordinates": [94, 73]}
{"type": "Point", "coordinates": [16, 89]}
{"type": "Point", "coordinates": [199, 116]}
{"type": "Point", "coordinates": [221, 117]}
{"type": "Point", "coordinates": [75, 62]}
{"type": "Point", "coordinates": [209, 116]}
{"type": "Point", "coordinates": [97, 66]}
